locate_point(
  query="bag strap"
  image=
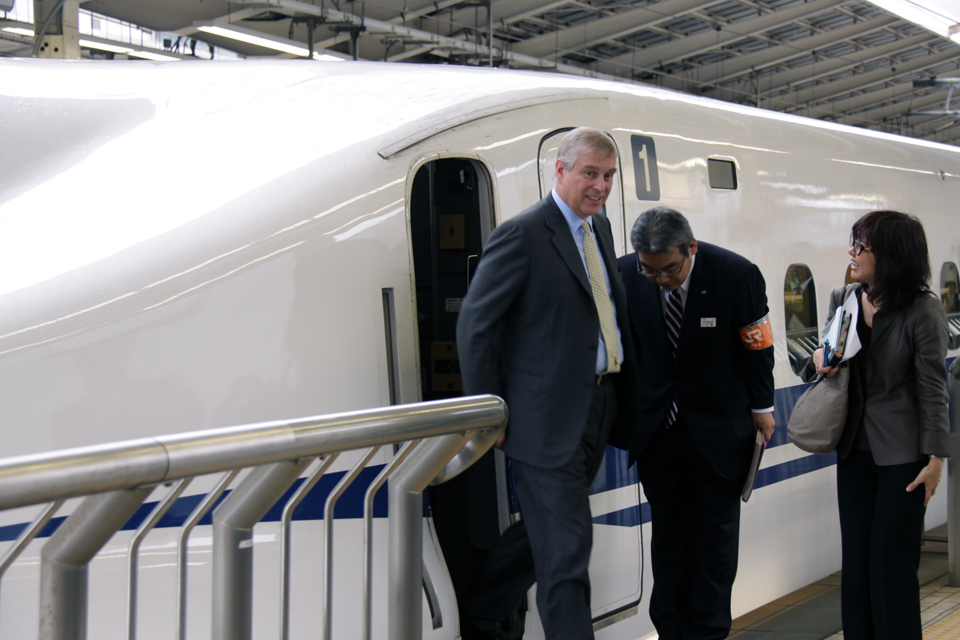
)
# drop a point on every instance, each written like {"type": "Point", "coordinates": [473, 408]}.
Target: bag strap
{"type": "Point", "coordinates": [848, 291]}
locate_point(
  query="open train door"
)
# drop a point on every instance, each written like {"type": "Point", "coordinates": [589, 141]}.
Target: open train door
{"type": "Point", "coordinates": [451, 216]}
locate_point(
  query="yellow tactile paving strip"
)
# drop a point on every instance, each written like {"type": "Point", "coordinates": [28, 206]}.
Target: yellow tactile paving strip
{"type": "Point", "coordinates": [946, 629]}
{"type": "Point", "coordinates": [939, 611]}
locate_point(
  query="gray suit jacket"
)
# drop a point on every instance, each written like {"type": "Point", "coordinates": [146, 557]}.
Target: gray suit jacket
{"type": "Point", "coordinates": [528, 331]}
{"type": "Point", "coordinates": [905, 408]}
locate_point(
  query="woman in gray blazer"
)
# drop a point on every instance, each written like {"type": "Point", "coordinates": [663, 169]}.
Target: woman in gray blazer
{"type": "Point", "coordinates": [897, 430]}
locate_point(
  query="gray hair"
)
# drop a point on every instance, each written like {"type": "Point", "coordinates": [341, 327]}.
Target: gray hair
{"type": "Point", "coordinates": [581, 138]}
{"type": "Point", "coordinates": [660, 229]}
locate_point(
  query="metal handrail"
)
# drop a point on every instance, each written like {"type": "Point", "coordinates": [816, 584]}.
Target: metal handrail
{"type": "Point", "coordinates": [118, 478]}
{"type": "Point", "coordinates": [71, 473]}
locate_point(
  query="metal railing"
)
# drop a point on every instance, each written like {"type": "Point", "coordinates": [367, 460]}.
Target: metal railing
{"type": "Point", "coordinates": [439, 439]}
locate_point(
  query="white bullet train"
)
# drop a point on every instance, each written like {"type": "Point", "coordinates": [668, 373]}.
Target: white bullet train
{"type": "Point", "coordinates": [186, 246]}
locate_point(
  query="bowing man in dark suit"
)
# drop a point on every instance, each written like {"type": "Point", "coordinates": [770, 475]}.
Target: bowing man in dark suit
{"type": "Point", "coordinates": [705, 355]}
{"type": "Point", "coordinates": [544, 325]}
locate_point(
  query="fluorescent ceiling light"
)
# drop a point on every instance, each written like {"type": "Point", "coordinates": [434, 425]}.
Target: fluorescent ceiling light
{"type": "Point", "coordinates": [149, 55]}
{"type": "Point", "coordinates": [931, 19]}
{"type": "Point", "coordinates": [90, 44]}
{"type": "Point", "coordinates": [264, 40]}
{"type": "Point", "coordinates": [256, 38]}
{"type": "Point", "coordinates": [19, 31]}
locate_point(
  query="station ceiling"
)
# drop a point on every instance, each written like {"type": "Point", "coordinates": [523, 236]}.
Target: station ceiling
{"type": "Point", "coordinates": [846, 61]}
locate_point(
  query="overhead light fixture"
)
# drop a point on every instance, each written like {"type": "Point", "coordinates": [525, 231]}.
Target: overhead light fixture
{"type": "Point", "coordinates": [136, 53]}
{"type": "Point", "coordinates": [103, 46]}
{"type": "Point", "coordinates": [262, 40]}
{"type": "Point", "coordinates": [19, 31]}
{"type": "Point", "coordinates": [150, 55]}
{"type": "Point", "coordinates": [930, 19]}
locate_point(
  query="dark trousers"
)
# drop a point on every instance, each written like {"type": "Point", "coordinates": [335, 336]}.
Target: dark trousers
{"type": "Point", "coordinates": [551, 544]}
{"type": "Point", "coordinates": [695, 518]}
{"type": "Point", "coordinates": [881, 527]}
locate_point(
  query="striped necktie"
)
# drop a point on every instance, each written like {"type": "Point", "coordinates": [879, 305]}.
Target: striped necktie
{"type": "Point", "coordinates": [601, 298]}
{"type": "Point", "coordinates": [673, 317]}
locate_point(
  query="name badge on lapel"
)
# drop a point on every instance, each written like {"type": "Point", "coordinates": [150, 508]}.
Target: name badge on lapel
{"type": "Point", "coordinates": [708, 322]}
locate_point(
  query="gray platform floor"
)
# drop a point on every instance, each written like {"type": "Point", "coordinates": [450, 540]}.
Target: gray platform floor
{"type": "Point", "coordinates": [813, 612]}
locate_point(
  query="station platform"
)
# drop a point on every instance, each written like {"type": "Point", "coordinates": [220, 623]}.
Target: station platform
{"type": "Point", "coordinates": [813, 612]}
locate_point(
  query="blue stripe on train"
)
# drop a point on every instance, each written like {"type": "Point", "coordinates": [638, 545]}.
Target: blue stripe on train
{"type": "Point", "coordinates": [615, 473]}
{"type": "Point", "coordinates": [350, 505]}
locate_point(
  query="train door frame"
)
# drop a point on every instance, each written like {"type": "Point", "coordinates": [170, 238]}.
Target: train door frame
{"type": "Point", "coordinates": [621, 588]}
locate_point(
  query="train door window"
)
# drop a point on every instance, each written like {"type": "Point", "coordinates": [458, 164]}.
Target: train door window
{"type": "Point", "coordinates": [722, 173]}
{"type": "Point", "coordinates": [800, 312]}
{"type": "Point", "coordinates": [950, 295]}
{"type": "Point", "coordinates": [613, 209]}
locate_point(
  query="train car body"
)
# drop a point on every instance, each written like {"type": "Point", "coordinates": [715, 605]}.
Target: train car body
{"type": "Point", "coordinates": [195, 245]}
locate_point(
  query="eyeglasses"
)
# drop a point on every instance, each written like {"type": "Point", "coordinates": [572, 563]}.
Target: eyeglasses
{"type": "Point", "coordinates": [663, 272]}
{"type": "Point", "coordinates": [859, 247]}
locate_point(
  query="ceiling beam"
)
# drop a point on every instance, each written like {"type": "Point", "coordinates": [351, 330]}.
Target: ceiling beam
{"type": "Point", "coordinates": [610, 28]}
{"type": "Point", "coordinates": [863, 81]}
{"type": "Point", "coordinates": [653, 58]}
{"type": "Point", "coordinates": [728, 69]}
{"type": "Point", "coordinates": [780, 82]}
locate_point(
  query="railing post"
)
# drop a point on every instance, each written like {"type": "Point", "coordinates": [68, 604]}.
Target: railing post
{"type": "Point", "coordinates": [953, 480]}
{"type": "Point", "coordinates": [406, 564]}
{"type": "Point", "coordinates": [405, 607]}
{"type": "Point", "coordinates": [64, 560]}
{"type": "Point", "coordinates": [233, 524]}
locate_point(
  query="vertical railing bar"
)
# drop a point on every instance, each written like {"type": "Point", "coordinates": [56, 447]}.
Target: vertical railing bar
{"type": "Point", "coordinates": [28, 534]}
{"type": "Point", "coordinates": [338, 490]}
{"type": "Point", "coordinates": [383, 476]}
{"type": "Point", "coordinates": [188, 526]}
{"type": "Point", "coordinates": [132, 552]}
{"type": "Point", "coordinates": [288, 510]}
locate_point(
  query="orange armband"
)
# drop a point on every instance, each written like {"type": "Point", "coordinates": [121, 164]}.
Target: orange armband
{"type": "Point", "coordinates": [757, 335]}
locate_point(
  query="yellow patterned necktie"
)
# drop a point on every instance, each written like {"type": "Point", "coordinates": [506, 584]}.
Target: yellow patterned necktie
{"type": "Point", "coordinates": [601, 297]}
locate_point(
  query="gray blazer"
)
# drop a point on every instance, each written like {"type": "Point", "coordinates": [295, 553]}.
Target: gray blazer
{"type": "Point", "coordinates": [528, 331]}
{"type": "Point", "coordinates": [905, 411]}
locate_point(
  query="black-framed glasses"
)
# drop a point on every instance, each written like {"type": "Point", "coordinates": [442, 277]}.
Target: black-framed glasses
{"type": "Point", "coordinates": [663, 272]}
{"type": "Point", "coordinates": [859, 247]}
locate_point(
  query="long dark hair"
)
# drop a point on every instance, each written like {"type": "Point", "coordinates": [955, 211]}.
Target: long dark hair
{"type": "Point", "coordinates": [899, 247]}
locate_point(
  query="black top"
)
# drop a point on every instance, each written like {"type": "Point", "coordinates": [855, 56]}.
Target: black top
{"type": "Point", "coordinates": [864, 332]}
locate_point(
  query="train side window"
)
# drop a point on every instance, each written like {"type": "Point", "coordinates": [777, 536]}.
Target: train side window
{"type": "Point", "coordinates": [723, 173]}
{"type": "Point", "coordinates": [800, 312]}
{"type": "Point", "coordinates": [950, 295]}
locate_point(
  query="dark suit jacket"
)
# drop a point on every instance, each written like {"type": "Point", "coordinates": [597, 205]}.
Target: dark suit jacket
{"type": "Point", "coordinates": [716, 380]}
{"type": "Point", "coordinates": [528, 331]}
{"type": "Point", "coordinates": [906, 407]}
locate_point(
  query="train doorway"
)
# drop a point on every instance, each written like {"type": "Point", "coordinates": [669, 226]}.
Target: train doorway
{"type": "Point", "coordinates": [451, 216]}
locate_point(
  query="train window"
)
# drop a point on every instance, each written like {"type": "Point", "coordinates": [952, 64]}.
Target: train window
{"type": "Point", "coordinates": [723, 173]}
{"type": "Point", "coordinates": [950, 295]}
{"type": "Point", "coordinates": [800, 311]}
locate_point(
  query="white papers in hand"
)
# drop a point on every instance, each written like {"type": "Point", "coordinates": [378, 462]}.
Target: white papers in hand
{"type": "Point", "coordinates": [832, 332]}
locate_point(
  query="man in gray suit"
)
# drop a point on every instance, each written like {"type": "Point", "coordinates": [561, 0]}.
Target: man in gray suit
{"type": "Point", "coordinates": [544, 325]}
